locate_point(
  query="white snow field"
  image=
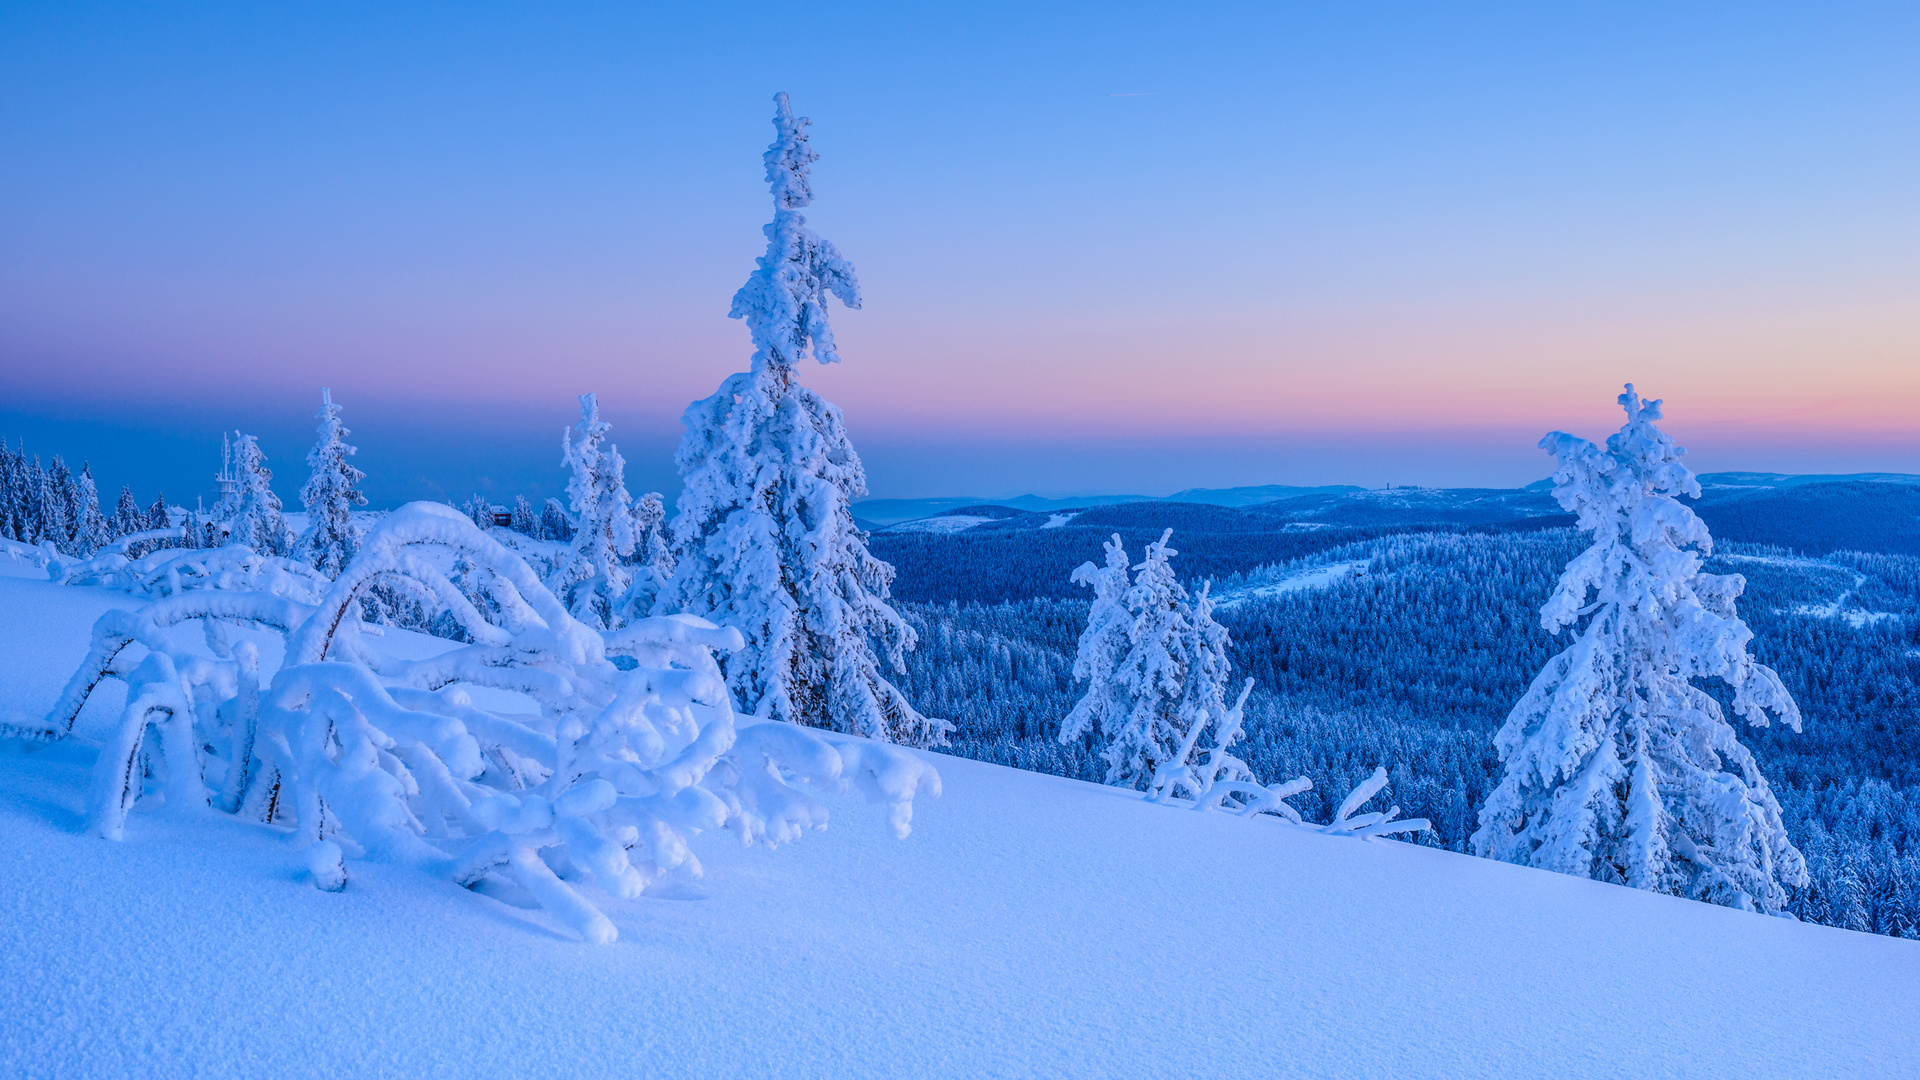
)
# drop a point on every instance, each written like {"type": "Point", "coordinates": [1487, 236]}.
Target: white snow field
{"type": "Point", "coordinates": [1029, 926]}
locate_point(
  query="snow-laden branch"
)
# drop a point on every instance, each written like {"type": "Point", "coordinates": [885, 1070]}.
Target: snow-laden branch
{"type": "Point", "coordinates": [1378, 823]}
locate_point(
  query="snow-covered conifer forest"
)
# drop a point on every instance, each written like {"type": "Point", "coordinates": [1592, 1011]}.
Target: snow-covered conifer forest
{"type": "Point", "coordinates": [1621, 717]}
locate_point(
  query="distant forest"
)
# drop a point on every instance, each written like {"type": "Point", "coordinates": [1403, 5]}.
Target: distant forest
{"type": "Point", "coordinates": [1416, 662]}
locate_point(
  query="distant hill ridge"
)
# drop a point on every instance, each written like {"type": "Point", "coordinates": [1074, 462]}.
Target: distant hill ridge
{"type": "Point", "coordinates": [993, 552]}
{"type": "Point", "coordinates": [880, 513]}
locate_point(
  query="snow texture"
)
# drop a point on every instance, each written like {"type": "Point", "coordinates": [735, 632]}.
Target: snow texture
{"type": "Point", "coordinates": [1617, 766]}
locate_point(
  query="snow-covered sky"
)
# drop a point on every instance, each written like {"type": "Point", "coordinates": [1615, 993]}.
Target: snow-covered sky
{"type": "Point", "coordinates": [1103, 247]}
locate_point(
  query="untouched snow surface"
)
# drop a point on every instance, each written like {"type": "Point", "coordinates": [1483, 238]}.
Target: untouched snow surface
{"type": "Point", "coordinates": [1030, 926]}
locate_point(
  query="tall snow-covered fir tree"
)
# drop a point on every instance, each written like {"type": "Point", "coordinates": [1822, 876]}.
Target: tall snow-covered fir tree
{"type": "Point", "coordinates": [592, 579]}
{"type": "Point", "coordinates": [256, 520]}
{"type": "Point", "coordinates": [763, 536]}
{"type": "Point", "coordinates": [1618, 766]}
{"type": "Point", "coordinates": [331, 492]}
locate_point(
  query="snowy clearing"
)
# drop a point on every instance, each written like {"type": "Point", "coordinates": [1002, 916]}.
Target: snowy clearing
{"type": "Point", "coordinates": [1856, 618]}
{"type": "Point", "coordinates": [1317, 577]}
{"type": "Point", "coordinates": [1030, 926]}
{"type": "Point", "coordinates": [1054, 521]}
{"type": "Point", "coordinates": [948, 524]}
{"type": "Point", "coordinates": [1836, 608]}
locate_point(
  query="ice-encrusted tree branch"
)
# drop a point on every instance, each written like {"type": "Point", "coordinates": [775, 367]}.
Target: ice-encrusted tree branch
{"type": "Point", "coordinates": [1348, 822]}
{"type": "Point", "coordinates": [1618, 766]}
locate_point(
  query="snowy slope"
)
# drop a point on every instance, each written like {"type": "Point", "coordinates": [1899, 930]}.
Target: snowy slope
{"type": "Point", "coordinates": [1030, 926]}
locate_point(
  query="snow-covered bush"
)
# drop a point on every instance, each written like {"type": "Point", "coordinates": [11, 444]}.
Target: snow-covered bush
{"type": "Point", "coordinates": [1617, 765]}
{"type": "Point", "coordinates": [631, 747]}
{"type": "Point", "coordinates": [764, 537]}
{"type": "Point", "coordinates": [170, 571]}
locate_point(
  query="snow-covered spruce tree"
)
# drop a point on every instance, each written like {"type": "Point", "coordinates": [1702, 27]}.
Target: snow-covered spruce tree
{"type": "Point", "coordinates": [554, 523]}
{"type": "Point", "coordinates": [763, 537]}
{"type": "Point", "coordinates": [33, 500]}
{"type": "Point", "coordinates": [55, 501]}
{"type": "Point", "coordinates": [479, 510]}
{"type": "Point", "coordinates": [1203, 707]}
{"type": "Point", "coordinates": [332, 491]}
{"type": "Point", "coordinates": [1104, 645]}
{"type": "Point", "coordinates": [592, 579]}
{"type": "Point", "coordinates": [90, 527]}
{"type": "Point", "coordinates": [256, 520]}
{"type": "Point", "coordinates": [1617, 765]}
{"type": "Point", "coordinates": [127, 515]}
{"type": "Point", "coordinates": [11, 490]}
{"type": "Point", "coordinates": [652, 557]}
{"type": "Point", "coordinates": [1153, 675]}
{"type": "Point", "coordinates": [525, 521]}
{"type": "Point", "coordinates": [1156, 671]}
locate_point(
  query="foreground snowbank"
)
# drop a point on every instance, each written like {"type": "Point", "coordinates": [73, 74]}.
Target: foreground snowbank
{"type": "Point", "coordinates": [1031, 926]}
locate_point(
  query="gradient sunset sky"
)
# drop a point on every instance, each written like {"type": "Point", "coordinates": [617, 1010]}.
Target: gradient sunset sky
{"type": "Point", "coordinates": [1104, 247]}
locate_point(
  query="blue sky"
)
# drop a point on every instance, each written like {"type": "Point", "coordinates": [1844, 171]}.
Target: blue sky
{"type": "Point", "coordinates": [1103, 247]}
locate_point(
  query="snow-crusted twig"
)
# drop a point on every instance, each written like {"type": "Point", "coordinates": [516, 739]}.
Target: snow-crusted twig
{"type": "Point", "coordinates": [1366, 826]}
